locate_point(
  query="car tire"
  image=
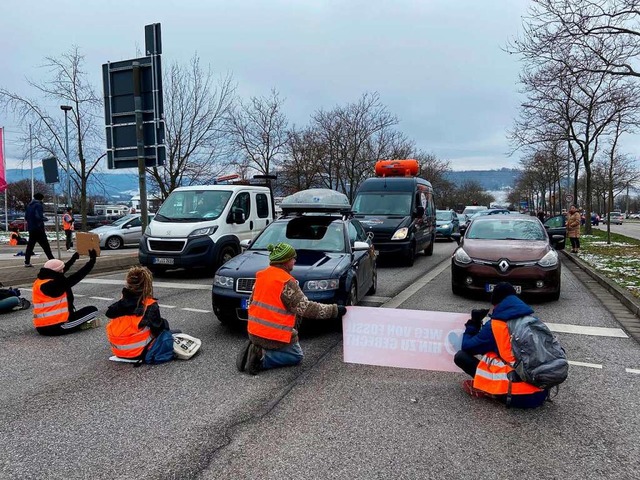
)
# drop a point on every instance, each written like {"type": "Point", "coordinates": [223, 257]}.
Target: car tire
{"type": "Point", "coordinates": [352, 299]}
{"type": "Point", "coordinates": [410, 256]}
{"type": "Point", "coordinates": [429, 250]}
{"type": "Point", "coordinates": [227, 252]}
{"type": "Point", "coordinates": [113, 243]}
{"type": "Point", "coordinates": [374, 285]}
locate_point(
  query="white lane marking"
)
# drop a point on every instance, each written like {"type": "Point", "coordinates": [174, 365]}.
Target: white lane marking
{"type": "Point", "coordinates": [102, 298]}
{"type": "Point", "coordinates": [632, 370]}
{"type": "Point", "coordinates": [583, 330]}
{"type": "Point", "coordinates": [166, 306]}
{"type": "Point", "coordinates": [375, 298]}
{"type": "Point", "coordinates": [78, 295]}
{"type": "Point", "coordinates": [196, 310]}
{"type": "Point", "coordinates": [412, 289]}
{"type": "Point", "coordinates": [584, 364]}
{"type": "Point", "coordinates": [185, 286]}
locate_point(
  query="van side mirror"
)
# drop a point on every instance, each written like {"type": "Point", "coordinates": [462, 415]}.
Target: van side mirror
{"type": "Point", "coordinates": [419, 212]}
{"type": "Point", "coordinates": [456, 237]}
{"type": "Point", "coordinates": [237, 215]}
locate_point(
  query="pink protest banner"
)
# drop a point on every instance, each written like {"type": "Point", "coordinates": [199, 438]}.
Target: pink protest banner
{"type": "Point", "coordinates": [389, 337]}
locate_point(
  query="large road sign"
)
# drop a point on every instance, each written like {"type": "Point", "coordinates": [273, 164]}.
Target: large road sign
{"type": "Point", "coordinates": [119, 112]}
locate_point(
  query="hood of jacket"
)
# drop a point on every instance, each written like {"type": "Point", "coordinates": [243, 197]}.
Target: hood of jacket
{"type": "Point", "coordinates": [48, 274]}
{"type": "Point", "coordinates": [127, 305]}
{"type": "Point", "coordinates": [511, 307]}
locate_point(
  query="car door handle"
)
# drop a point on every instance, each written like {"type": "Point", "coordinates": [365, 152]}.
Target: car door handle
{"type": "Point", "coordinates": [251, 225]}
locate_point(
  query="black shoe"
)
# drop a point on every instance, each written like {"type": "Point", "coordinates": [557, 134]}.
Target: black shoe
{"type": "Point", "coordinates": [28, 265]}
{"type": "Point", "coordinates": [254, 360]}
{"type": "Point", "coordinates": [24, 304]}
{"type": "Point", "coordinates": [241, 358]}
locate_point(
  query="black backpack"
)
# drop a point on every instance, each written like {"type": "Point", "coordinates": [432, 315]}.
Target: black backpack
{"type": "Point", "coordinates": [540, 359]}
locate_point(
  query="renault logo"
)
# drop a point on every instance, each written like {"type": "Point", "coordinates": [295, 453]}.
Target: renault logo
{"type": "Point", "coordinates": [503, 265]}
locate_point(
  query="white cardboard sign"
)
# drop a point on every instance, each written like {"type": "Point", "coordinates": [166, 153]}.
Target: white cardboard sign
{"type": "Point", "coordinates": [389, 337]}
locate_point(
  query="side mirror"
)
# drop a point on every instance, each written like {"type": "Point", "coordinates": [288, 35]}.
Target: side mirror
{"type": "Point", "coordinates": [419, 213]}
{"type": "Point", "coordinates": [558, 241]}
{"type": "Point", "coordinates": [360, 246]}
{"type": "Point", "coordinates": [456, 237]}
{"type": "Point", "coordinates": [237, 215]}
{"type": "Point", "coordinates": [244, 244]}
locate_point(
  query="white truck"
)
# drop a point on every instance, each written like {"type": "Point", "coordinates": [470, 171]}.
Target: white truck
{"type": "Point", "coordinates": [202, 226]}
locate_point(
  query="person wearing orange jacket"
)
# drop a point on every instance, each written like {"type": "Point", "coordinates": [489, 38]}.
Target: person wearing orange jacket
{"type": "Point", "coordinates": [276, 308]}
{"type": "Point", "coordinates": [135, 318]}
{"type": "Point", "coordinates": [492, 373]}
{"type": "Point", "coordinates": [16, 239]}
{"type": "Point", "coordinates": [54, 312]}
{"type": "Point", "coordinates": [67, 226]}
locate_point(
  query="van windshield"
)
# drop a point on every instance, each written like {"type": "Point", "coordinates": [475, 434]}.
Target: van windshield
{"type": "Point", "coordinates": [193, 206]}
{"type": "Point", "coordinates": [377, 203]}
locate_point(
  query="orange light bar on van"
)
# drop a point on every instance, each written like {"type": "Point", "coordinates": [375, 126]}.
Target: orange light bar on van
{"type": "Point", "coordinates": [397, 168]}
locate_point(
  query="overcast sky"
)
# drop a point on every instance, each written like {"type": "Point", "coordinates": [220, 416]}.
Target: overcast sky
{"type": "Point", "coordinates": [437, 64]}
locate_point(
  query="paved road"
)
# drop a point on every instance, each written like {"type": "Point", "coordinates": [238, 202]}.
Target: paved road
{"type": "Point", "coordinates": [630, 228]}
{"type": "Point", "coordinates": [70, 413]}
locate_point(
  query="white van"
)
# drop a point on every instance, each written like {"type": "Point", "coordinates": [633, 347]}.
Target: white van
{"type": "Point", "coordinates": [202, 226]}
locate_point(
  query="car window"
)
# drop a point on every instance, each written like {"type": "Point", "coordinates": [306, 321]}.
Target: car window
{"type": "Point", "coordinates": [136, 222]}
{"type": "Point", "coordinates": [262, 205]}
{"type": "Point", "coordinates": [555, 222]}
{"type": "Point", "coordinates": [506, 230]}
{"type": "Point", "coordinates": [306, 232]}
{"type": "Point", "coordinates": [375, 203]}
{"type": "Point", "coordinates": [193, 205]}
{"type": "Point", "coordinates": [243, 201]}
{"type": "Point", "coordinates": [361, 233]}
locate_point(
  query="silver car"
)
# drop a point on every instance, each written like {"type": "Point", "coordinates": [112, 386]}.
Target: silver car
{"type": "Point", "coordinates": [124, 231]}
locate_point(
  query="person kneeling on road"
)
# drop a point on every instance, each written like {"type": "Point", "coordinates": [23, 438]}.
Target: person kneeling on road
{"type": "Point", "coordinates": [53, 310]}
{"type": "Point", "coordinates": [492, 374]}
{"type": "Point", "coordinates": [136, 319]}
{"type": "Point", "coordinates": [276, 308]}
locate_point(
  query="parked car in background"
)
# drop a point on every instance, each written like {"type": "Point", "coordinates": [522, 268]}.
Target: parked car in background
{"type": "Point", "coordinates": [500, 248]}
{"type": "Point", "coordinates": [336, 261]}
{"type": "Point", "coordinates": [484, 212]}
{"type": "Point", "coordinates": [463, 220]}
{"type": "Point", "coordinates": [616, 218]}
{"type": "Point", "coordinates": [595, 219]}
{"type": "Point", "coordinates": [19, 223]}
{"type": "Point", "coordinates": [556, 226]}
{"type": "Point", "coordinates": [447, 223]}
{"type": "Point", "coordinates": [126, 230]}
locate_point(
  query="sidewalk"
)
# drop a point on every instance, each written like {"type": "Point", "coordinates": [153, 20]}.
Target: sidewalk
{"type": "Point", "coordinates": [14, 273]}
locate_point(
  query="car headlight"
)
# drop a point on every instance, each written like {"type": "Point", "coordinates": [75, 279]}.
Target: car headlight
{"type": "Point", "coordinates": [100, 235]}
{"type": "Point", "coordinates": [199, 232]}
{"type": "Point", "coordinates": [147, 231]}
{"type": "Point", "coordinates": [461, 256]}
{"type": "Point", "coordinates": [400, 234]}
{"type": "Point", "coordinates": [321, 285]}
{"type": "Point", "coordinates": [549, 260]}
{"type": "Point", "coordinates": [222, 281]}
{"type": "Point", "coordinates": [446, 225]}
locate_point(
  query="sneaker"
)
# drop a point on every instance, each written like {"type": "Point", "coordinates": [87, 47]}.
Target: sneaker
{"type": "Point", "coordinates": [254, 360]}
{"type": "Point", "coordinates": [95, 323]}
{"type": "Point", "coordinates": [467, 386]}
{"type": "Point", "coordinates": [24, 304]}
{"type": "Point", "coordinates": [70, 250]}
{"type": "Point", "coordinates": [28, 265]}
{"type": "Point", "coordinates": [241, 358]}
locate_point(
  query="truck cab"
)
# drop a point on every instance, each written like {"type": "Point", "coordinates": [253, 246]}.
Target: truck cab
{"type": "Point", "coordinates": [202, 226]}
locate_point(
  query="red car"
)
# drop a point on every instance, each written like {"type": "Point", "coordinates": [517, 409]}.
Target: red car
{"type": "Point", "coordinates": [19, 223]}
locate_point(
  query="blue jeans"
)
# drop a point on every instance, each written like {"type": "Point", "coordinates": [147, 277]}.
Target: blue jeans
{"type": "Point", "coordinates": [282, 357]}
{"type": "Point", "coordinates": [9, 303]}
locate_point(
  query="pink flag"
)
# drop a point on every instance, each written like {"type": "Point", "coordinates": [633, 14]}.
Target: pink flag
{"type": "Point", "coordinates": [3, 171]}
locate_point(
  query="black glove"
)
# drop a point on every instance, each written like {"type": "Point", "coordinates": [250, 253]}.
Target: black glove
{"type": "Point", "coordinates": [75, 256]}
{"type": "Point", "coordinates": [479, 314]}
{"type": "Point", "coordinates": [342, 311]}
{"type": "Point", "coordinates": [93, 254]}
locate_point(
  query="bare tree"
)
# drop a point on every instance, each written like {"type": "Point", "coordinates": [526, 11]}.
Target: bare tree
{"type": "Point", "coordinates": [435, 170]}
{"type": "Point", "coordinates": [259, 132]}
{"type": "Point", "coordinates": [68, 85]}
{"type": "Point", "coordinates": [19, 193]}
{"type": "Point", "coordinates": [196, 107]}
{"type": "Point", "coordinates": [300, 168]}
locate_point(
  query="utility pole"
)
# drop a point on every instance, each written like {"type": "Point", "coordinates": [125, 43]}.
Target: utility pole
{"type": "Point", "coordinates": [66, 109]}
{"type": "Point", "coordinates": [31, 160]}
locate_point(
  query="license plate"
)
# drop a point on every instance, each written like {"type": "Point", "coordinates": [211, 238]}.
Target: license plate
{"type": "Point", "coordinates": [490, 286]}
{"type": "Point", "coordinates": [163, 261]}
{"type": "Point", "coordinates": [244, 303]}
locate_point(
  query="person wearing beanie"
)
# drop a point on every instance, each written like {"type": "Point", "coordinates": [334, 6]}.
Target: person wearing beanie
{"type": "Point", "coordinates": [35, 218]}
{"type": "Point", "coordinates": [135, 318]}
{"type": "Point", "coordinates": [54, 312]}
{"type": "Point", "coordinates": [487, 336]}
{"type": "Point", "coordinates": [276, 309]}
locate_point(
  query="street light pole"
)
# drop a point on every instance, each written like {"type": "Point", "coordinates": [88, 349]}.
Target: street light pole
{"type": "Point", "coordinates": [66, 108]}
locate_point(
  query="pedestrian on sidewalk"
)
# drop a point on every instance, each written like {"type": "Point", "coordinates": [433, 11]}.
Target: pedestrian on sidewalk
{"type": "Point", "coordinates": [573, 228]}
{"type": "Point", "coordinates": [493, 376]}
{"type": "Point", "coordinates": [68, 227]}
{"type": "Point", "coordinates": [35, 218]}
{"type": "Point", "coordinates": [136, 319]}
{"type": "Point", "coordinates": [54, 312]}
{"type": "Point", "coordinates": [276, 308]}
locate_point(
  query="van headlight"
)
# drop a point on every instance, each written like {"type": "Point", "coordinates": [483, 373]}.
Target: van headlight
{"type": "Point", "coordinates": [461, 256]}
{"type": "Point", "coordinates": [199, 232]}
{"type": "Point", "coordinates": [147, 231]}
{"type": "Point", "coordinates": [400, 234]}
{"type": "Point", "coordinates": [222, 281]}
{"type": "Point", "coordinates": [321, 285]}
{"type": "Point", "coordinates": [549, 260]}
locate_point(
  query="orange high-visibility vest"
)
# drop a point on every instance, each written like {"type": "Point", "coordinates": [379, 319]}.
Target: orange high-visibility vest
{"type": "Point", "coordinates": [67, 224]}
{"type": "Point", "coordinates": [492, 374]}
{"type": "Point", "coordinates": [13, 239]}
{"type": "Point", "coordinates": [48, 310]}
{"type": "Point", "coordinates": [126, 338]}
{"type": "Point", "coordinates": [268, 317]}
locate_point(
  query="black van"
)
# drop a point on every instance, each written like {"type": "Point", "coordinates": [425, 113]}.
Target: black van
{"type": "Point", "coordinates": [401, 214]}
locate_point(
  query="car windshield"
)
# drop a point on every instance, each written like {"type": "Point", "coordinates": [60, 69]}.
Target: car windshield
{"type": "Point", "coordinates": [193, 205]}
{"type": "Point", "coordinates": [376, 203]}
{"type": "Point", "coordinates": [443, 215]}
{"type": "Point", "coordinates": [319, 233]}
{"type": "Point", "coordinates": [503, 229]}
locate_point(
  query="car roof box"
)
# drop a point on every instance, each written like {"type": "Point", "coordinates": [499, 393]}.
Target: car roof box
{"type": "Point", "coordinates": [397, 168]}
{"type": "Point", "coordinates": [316, 200]}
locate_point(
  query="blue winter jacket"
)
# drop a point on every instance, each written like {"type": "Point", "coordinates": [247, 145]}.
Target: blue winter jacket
{"type": "Point", "coordinates": [35, 215]}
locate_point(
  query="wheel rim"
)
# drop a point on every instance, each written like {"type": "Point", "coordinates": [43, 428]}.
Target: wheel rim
{"type": "Point", "coordinates": [227, 254]}
{"type": "Point", "coordinates": [113, 243]}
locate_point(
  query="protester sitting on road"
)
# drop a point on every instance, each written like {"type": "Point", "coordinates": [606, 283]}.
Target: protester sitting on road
{"type": "Point", "coordinates": [16, 239]}
{"type": "Point", "coordinates": [54, 312]}
{"type": "Point", "coordinates": [135, 318]}
{"type": "Point", "coordinates": [492, 374]}
{"type": "Point", "coordinates": [10, 300]}
{"type": "Point", "coordinates": [276, 308]}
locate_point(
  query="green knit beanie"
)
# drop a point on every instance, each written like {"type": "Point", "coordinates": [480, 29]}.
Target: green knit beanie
{"type": "Point", "coordinates": [280, 253]}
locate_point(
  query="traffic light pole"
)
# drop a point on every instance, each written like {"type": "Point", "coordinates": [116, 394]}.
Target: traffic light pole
{"type": "Point", "coordinates": [142, 177]}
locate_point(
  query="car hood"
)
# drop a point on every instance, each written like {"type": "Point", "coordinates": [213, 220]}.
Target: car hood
{"type": "Point", "coordinates": [309, 265]}
{"type": "Point", "coordinates": [103, 229]}
{"type": "Point", "coordinates": [443, 222]}
{"type": "Point", "coordinates": [515, 250]}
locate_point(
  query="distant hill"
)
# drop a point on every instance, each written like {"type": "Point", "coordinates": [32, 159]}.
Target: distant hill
{"type": "Point", "coordinates": [489, 179]}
